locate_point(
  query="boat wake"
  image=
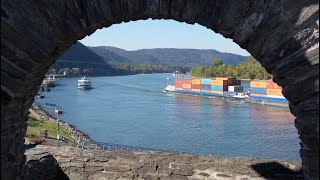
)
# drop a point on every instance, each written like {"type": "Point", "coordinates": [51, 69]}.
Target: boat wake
{"type": "Point", "coordinates": [135, 87]}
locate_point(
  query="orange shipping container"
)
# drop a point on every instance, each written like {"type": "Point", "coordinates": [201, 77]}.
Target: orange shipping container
{"type": "Point", "coordinates": [177, 85]}
{"type": "Point", "coordinates": [187, 81]}
{"type": "Point", "coordinates": [220, 82]}
{"type": "Point", "coordinates": [196, 86]}
{"type": "Point", "coordinates": [276, 92]}
{"type": "Point", "coordinates": [258, 84]}
{"type": "Point", "coordinates": [178, 88]}
{"type": "Point", "coordinates": [273, 85]}
{"type": "Point", "coordinates": [186, 86]}
{"type": "Point", "coordinates": [178, 81]}
{"type": "Point", "coordinates": [196, 81]}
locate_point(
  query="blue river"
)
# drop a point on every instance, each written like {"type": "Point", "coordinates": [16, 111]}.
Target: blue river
{"type": "Point", "coordinates": [133, 110]}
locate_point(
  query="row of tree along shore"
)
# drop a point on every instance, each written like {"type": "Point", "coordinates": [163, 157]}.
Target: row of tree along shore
{"type": "Point", "coordinates": [121, 69]}
{"type": "Point", "coordinates": [249, 69]}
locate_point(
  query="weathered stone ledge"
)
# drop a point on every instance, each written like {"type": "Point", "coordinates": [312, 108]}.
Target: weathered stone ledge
{"type": "Point", "coordinates": [66, 162]}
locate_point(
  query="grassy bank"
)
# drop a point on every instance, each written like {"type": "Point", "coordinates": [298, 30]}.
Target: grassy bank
{"type": "Point", "coordinates": [36, 125]}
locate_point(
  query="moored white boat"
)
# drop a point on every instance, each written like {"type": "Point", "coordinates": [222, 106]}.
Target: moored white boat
{"type": "Point", "coordinates": [58, 110]}
{"type": "Point", "coordinates": [41, 96]}
{"type": "Point", "coordinates": [51, 81]}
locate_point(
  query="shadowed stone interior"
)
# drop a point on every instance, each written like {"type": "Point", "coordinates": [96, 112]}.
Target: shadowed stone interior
{"type": "Point", "coordinates": [283, 35]}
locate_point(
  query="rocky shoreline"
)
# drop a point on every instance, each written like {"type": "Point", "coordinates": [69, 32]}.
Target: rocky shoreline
{"type": "Point", "coordinates": [77, 135]}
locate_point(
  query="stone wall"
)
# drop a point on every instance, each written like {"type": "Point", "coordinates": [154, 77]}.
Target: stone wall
{"type": "Point", "coordinates": [45, 162]}
{"type": "Point", "coordinates": [283, 35]}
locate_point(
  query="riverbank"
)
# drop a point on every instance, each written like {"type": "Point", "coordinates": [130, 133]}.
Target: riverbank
{"type": "Point", "coordinates": [45, 132]}
{"type": "Point", "coordinates": [76, 135]}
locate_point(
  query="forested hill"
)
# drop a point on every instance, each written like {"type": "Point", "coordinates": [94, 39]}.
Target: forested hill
{"type": "Point", "coordinates": [79, 60]}
{"type": "Point", "coordinates": [166, 56]}
{"type": "Point", "coordinates": [80, 53]}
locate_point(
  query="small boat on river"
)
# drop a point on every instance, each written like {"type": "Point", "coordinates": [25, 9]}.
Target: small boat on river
{"type": "Point", "coordinates": [169, 88]}
{"type": "Point", "coordinates": [40, 96]}
{"type": "Point", "coordinates": [239, 95]}
{"type": "Point", "coordinates": [58, 110]}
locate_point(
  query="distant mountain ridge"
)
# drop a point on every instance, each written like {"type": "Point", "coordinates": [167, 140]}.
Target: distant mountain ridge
{"type": "Point", "coordinates": [79, 56]}
{"type": "Point", "coordinates": [106, 60]}
{"type": "Point", "coordinates": [80, 53]}
{"type": "Point", "coordinates": [166, 56]}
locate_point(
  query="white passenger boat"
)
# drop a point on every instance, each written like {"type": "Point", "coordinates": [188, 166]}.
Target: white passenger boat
{"type": "Point", "coordinates": [169, 88]}
{"type": "Point", "coordinates": [84, 83]}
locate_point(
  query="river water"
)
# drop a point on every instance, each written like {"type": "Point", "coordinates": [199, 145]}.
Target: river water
{"type": "Point", "coordinates": [133, 110]}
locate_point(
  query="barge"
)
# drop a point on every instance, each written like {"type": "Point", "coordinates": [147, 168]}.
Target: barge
{"type": "Point", "coordinates": [261, 91]}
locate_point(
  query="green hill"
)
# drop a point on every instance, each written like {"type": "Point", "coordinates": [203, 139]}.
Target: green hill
{"type": "Point", "coordinates": [101, 61]}
{"type": "Point", "coordinates": [79, 60]}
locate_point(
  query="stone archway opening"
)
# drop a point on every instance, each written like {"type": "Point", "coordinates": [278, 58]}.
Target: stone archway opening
{"type": "Point", "coordinates": [282, 35]}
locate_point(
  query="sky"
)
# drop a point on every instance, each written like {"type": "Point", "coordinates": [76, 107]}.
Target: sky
{"type": "Point", "coordinates": [148, 34]}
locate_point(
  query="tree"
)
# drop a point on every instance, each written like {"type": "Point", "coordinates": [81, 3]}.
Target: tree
{"type": "Point", "coordinates": [249, 69]}
{"type": "Point", "coordinates": [216, 62]}
{"type": "Point", "coordinates": [230, 70]}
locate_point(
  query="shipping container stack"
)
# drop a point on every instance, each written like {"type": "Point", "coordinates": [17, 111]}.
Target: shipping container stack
{"type": "Point", "coordinates": [266, 88]}
{"type": "Point", "coordinates": [217, 85]}
{"type": "Point", "coordinates": [220, 84]}
{"type": "Point", "coordinates": [178, 84]}
{"type": "Point", "coordinates": [258, 88]}
{"type": "Point", "coordinates": [274, 90]}
{"type": "Point", "coordinates": [187, 84]}
{"type": "Point", "coordinates": [206, 85]}
{"type": "Point", "coordinates": [196, 85]}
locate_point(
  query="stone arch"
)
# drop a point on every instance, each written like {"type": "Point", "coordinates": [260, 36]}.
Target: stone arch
{"type": "Point", "coordinates": [282, 35]}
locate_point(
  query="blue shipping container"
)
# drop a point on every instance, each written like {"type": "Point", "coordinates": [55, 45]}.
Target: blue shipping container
{"type": "Point", "coordinates": [220, 88]}
{"type": "Point", "coordinates": [206, 86]}
{"type": "Point", "coordinates": [206, 81]}
{"type": "Point", "coordinates": [258, 90]}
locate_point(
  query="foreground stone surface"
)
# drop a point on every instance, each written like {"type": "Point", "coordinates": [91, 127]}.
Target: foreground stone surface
{"type": "Point", "coordinates": [48, 162]}
{"type": "Point", "coordinates": [282, 35]}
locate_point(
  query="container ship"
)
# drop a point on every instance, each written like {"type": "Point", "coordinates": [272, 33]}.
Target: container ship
{"type": "Point", "coordinates": [260, 91]}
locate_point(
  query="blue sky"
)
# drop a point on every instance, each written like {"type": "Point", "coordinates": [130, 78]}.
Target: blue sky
{"type": "Point", "coordinates": [147, 34]}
